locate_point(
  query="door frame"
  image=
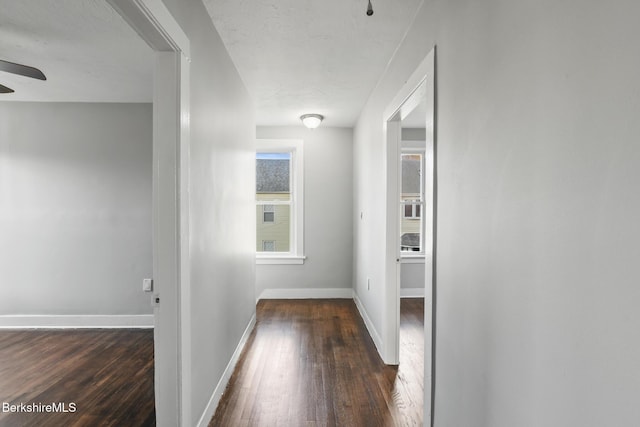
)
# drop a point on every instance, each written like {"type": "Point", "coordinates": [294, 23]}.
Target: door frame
{"type": "Point", "coordinates": [421, 83]}
{"type": "Point", "coordinates": [171, 294]}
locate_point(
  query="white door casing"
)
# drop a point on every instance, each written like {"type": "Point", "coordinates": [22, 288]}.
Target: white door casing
{"type": "Point", "coordinates": [421, 85]}
{"type": "Point", "coordinates": [172, 344]}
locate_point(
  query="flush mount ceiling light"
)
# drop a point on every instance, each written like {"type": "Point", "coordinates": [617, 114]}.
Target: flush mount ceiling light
{"type": "Point", "coordinates": [311, 121]}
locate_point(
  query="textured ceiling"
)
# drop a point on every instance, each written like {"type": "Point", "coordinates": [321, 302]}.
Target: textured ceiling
{"type": "Point", "coordinates": [86, 50]}
{"type": "Point", "coordinates": [417, 119]}
{"type": "Point", "coordinates": [295, 56]}
{"type": "Point", "coordinates": [302, 56]}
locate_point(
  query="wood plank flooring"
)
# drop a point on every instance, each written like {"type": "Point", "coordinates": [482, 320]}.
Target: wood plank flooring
{"type": "Point", "coordinates": [312, 363]}
{"type": "Point", "coordinates": [108, 374]}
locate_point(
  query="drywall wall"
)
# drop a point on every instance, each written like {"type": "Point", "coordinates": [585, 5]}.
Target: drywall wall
{"type": "Point", "coordinates": [412, 278]}
{"type": "Point", "coordinates": [328, 236]}
{"type": "Point", "coordinates": [413, 135]}
{"type": "Point", "coordinates": [537, 130]}
{"type": "Point", "coordinates": [75, 208]}
{"type": "Point", "coordinates": [222, 225]}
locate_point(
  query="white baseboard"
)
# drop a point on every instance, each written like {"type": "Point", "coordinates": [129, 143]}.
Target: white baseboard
{"type": "Point", "coordinates": [375, 336]}
{"type": "Point", "coordinates": [76, 321]}
{"type": "Point", "coordinates": [411, 292]}
{"type": "Point", "coordinates": [210, 410]}
{"type": "Point", "coordinates": [312, 293]}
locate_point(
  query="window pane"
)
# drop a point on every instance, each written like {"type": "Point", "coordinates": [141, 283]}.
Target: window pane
{"type": "Point", "coordinates": [273, 183]}
{"type": "Point", "coordinates": [411, 227]}
{"type": "Point", "coordinates": [411, 236]}
{"type": "Point", "coordinates": [411, 173]}
{"type": "Point", "coordinates": [273, 176]}
{"type": "Point", "coordinates": [278, 230]}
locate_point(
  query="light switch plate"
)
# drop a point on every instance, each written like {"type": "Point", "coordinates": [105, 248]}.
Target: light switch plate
{"type": "Point", "coordinates": [147, 285]}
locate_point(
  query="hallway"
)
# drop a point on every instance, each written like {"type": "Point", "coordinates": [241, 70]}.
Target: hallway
{"type": "Point", "coordinates": [312, 362]}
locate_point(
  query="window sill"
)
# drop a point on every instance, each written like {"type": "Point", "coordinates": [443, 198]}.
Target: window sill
{"type": "Point", "coordinates": [280, 259]}
{"type": "Point", "coordinates": [412, 259]}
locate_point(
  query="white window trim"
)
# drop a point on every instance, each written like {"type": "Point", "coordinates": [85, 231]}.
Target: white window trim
{"type": "Point", "coordinates": [278, 259]}
{"type": "Point", "coordinates": [296, 254]}
{"type": "Point", "coordinates": [412, 259]}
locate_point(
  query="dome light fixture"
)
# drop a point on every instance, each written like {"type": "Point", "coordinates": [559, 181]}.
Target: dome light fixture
{"type": "Point", "coordinates": [311, 121]}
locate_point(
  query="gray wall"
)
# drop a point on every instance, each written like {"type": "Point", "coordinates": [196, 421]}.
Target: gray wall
{"type": "Point", "coordinates": [328, 189]}
{"type": "Point", "coordinates": [75, 208]}
{"type": "Point", "coordinates": [222, 179]}
{"type": "Point", "coordinates": [414, 134]}
{"type": "Point", "coordinates": [537, 130]}
{"type": "Point", "coordinates": [412, 277]}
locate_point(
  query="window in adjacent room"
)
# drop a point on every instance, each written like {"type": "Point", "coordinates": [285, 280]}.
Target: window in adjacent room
{"type": "Point", "coordinates": [411, 204]}
{"type": "Point", "coordinates": [279, 201]}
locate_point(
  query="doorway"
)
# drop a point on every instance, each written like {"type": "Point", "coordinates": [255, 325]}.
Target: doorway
{"type": "Point", "coordinates": [171, 294]}
{"type": "Point", "coordinates": [410, 224]}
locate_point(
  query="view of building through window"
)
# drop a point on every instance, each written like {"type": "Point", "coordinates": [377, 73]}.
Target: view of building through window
{"type": "Point", "coordinates": [273, 202]}
{"type": "Point", "coordinates": [411, 201]}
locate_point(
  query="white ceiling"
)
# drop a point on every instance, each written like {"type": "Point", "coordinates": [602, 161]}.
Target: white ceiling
{"type": "Point", "coordinates": [417, 119]}
{"type": "Point", "coordinates": [86, 50]}
{"type": "Point", "coordinates": [295, 56]}
{"type": "Point", "coordinates": [304, 56]}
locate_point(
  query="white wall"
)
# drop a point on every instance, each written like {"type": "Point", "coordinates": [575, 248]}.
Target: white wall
{"type": "Point", "coordinates": [75, 208]}
{"type": "Point", "coordinates": [538, 154]}
{"type": "Point", "coordinates": [222, 185]}
{"type": "Point", "coordinates": [328, 227]}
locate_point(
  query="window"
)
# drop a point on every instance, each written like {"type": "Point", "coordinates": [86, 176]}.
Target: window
{"type": "Point", "coordinates": [412, 209]}
{"type": "Point", "coordinates": [279, 202]}
{"type": "Point", "coordinates": [268, 246]}
{"type": "Point", "coordinates": [268, 214]}
{"type": "Point", "coordinates": [411, 203]}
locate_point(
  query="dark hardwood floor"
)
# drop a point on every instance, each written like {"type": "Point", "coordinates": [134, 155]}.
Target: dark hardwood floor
{"type": "Point", "coordinates": [107, 374]}
{"type": "Point", "coordinates": [412, 353]}
{"type": "Point", "coordinates": [312, 363]}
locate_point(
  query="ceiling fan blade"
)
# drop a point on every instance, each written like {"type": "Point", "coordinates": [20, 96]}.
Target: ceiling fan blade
{"type": "Point", "coordinates": [4, 89]}
{"type": "Point", "coordinates": [22, 70]}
